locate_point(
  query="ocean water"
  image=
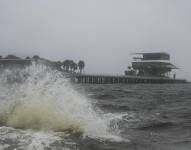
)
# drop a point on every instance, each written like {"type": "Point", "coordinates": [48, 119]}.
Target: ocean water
{"type": "Point", "coordinates": [42, 110]}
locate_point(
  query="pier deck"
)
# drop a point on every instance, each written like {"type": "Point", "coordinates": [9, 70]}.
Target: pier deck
{"type": "Point", "coordinates": [109, 79]}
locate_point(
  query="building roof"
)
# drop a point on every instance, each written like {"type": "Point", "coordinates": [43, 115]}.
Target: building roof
{"type": "Point", "coordinates": [159, 53]}
{"type": "Point", "coordinates": [152, 56]}
{"type": "Point", "coordinates": [154, 63]}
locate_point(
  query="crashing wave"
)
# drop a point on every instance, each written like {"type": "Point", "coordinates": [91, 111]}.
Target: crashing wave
{"type": "Point", "coordinates": [43, 99]}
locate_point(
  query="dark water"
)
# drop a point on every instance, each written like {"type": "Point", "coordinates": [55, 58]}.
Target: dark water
{"type": "Point", "coordinates": [145, 116]}
{"type": "Point", "coordinates": [158, 117]}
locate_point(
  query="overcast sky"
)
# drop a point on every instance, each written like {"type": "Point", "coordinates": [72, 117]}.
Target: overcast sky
{"type": "Point", "coordinates": [101, 32]}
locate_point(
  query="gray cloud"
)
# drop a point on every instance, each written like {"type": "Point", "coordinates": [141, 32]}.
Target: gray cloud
{"type": "Point", "coordinates": [102, 32]}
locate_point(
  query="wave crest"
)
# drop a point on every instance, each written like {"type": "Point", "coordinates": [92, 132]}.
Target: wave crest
{"type": "Point", "coordinates": [44, 99]}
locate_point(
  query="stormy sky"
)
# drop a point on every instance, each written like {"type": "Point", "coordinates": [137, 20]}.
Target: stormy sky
{"type": "Point", "coordinates": [103, 33]}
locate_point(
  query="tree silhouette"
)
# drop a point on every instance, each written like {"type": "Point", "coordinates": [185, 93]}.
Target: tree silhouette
{"type": "Point", "coordinates": [81, 65]}
{"type": "Point", "coordinates": [75, 67]}
{"type": "Point", "coordinates": [27, 57]}
{"type": "Point", "coordinates": [36, 57]}
{"type": "Point", "coordinates": [66, 65]}
{"type": "Point", "coordinates": [11, 57]}
{"type": "Point", "coordinates": [58, 65]}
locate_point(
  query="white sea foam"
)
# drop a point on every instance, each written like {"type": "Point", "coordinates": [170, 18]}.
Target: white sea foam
{"type": "Point", "coordinates": [11, 138]}
{"type": "Point", "coordinates": [42, 99]}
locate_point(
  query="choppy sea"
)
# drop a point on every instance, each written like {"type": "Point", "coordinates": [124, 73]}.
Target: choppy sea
{"type": "Point", "coordinates": [41, 110]}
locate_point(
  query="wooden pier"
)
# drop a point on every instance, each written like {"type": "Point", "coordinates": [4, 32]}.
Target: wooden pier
{"type": "Point", "coordinates": [109, 79]}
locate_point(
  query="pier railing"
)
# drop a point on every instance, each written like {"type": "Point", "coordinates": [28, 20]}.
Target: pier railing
{"type": "Point", "coordinates": [122, 79]}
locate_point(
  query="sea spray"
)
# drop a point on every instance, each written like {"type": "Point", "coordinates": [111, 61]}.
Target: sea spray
{"type": "Point", "coordinates": [42, 99]}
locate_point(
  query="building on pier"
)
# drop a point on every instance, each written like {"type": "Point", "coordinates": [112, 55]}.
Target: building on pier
{"type": "Point", "coordinates": [151, 64]}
